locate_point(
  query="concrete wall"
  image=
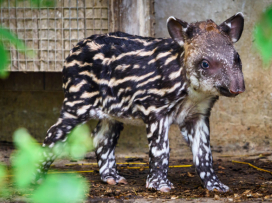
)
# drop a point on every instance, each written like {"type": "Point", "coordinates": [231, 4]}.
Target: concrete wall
{"type": "Point", "coordinates": [33, 101]}
{"type": "Point", "coordinates": [246, 118]}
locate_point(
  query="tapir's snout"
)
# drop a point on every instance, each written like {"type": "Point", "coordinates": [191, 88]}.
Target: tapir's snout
{"type": "Point", "coordinates": [237, 84]}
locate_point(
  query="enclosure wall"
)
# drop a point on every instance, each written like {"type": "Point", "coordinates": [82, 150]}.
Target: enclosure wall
{"type": "Point", "coordinates": [242, 123]}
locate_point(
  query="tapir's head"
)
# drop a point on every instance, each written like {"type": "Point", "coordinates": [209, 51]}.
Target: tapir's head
{"type": "Point", "coordinates": [212, 65]}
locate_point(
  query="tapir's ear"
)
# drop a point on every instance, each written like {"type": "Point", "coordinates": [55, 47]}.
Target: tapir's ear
{"type": "Point", "coordinates": [177, 29]}
{"type": "Point", "coordinates": [233, 27]}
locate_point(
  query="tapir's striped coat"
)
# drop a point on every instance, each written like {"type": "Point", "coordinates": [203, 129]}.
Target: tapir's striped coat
{"type": "Point", "coordinates": [120, 78]}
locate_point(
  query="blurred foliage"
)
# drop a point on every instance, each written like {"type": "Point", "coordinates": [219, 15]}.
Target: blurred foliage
{"type": "Point", "coordinates": [3, 174]}
{"type": "Point", "coordinates": [25, 158]}
{"type": "Point", "coordinates": [263, 35]}
{"type": "Point", "coordinates": [61, 188]}
{"type": "Point", "coordinates": [57, 188]}
{"type": "Point", "coordinates": [33, 3]}
{"type": "Point", "coordinates": [7, 38]}
{"type": "Point", "coordinates": [77, 145]}
{"type": "Point", "coordinates": [43, 3]}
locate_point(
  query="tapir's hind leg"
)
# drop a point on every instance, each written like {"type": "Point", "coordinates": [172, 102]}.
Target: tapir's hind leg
{"type": "Point", "coordinates": [105, 136]}
{"type": "Point", "coordinates": [58, 132]}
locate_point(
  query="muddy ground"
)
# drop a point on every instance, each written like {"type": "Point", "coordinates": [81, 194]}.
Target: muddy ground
{"type": "Point", "coordinates": [246, 182]}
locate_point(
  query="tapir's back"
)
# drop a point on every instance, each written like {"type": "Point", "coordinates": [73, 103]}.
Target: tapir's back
{"type": "Point", "coordinates": [118, 70]}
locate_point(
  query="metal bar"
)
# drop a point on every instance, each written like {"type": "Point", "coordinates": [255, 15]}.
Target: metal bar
{"type": "Point", "coordinates": [77, 21]}
{"type": "Point", "coordinates": [70, 44]}
{"type": "Point", "coordinates": [93, 18]}
{"type": "Point", "coordinates": [85, 24]}
{"type": "Point", "coordinates": [33, 44]}
{"type": "Point", "coordinates": [70, 7]}
{"type": "Point", "coordinates": [100, 21]}
{"type": "Point", "coordinates": [57, 29]}
{"type": "Point", "coordinates": [48, 67]}
{"type": "Point", "coordinates": [25, 37]}
{"type": "Point", "coordinates": [62, 34]}
{"type": "Point", "coordinates": [55, 25]}
{"type": "Point", "coordinates": [17, 53]}
{"type": "Point", "coordinates": [39, 42]}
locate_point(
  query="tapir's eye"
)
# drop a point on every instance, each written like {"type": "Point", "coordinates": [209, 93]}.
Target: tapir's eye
{"type": "Point", "coordinates": [205, 64]}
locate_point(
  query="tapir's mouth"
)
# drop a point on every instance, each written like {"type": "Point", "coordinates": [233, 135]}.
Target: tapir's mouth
{"type": "Point", "coordinates": [225, 92]}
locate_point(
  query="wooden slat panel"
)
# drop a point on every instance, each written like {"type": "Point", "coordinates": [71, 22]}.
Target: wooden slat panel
{"type": "Point", "coordinates": [32, 81]}
{"type": "Point", "coordinates": [131, 17]}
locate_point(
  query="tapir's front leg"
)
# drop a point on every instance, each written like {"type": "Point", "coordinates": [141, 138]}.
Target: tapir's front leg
{"type": "Point", "coordinates": [157, 134]}
{"type": "Point", "coordinates": [197, 133]}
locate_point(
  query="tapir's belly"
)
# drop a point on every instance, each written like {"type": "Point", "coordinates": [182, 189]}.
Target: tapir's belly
{"type": "Point", "coordinates": [130, 121]}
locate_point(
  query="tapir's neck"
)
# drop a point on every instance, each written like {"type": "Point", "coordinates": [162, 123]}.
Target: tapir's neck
{"type": "Point", "coordinates": [195, 104]}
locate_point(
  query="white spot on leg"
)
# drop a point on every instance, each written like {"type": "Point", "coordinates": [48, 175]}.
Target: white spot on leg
{"type": "Point", "coordinates": [207, 156]}
{"type": "Point", "coordinates": [200, 152]}
{"type": "Point", "coordinates": [99, 150]}
{"type": "Point", "coordinates": [59, 134]}
{"type": "Point", "coordinates": [154, 127]}
{"type": "Point", "coordinates": [203, 138]}
{"type": "Point", "coordinates": [205, 129]}
{"type": "Point", "coordinates": [101, 134]}
{"type": "Point", "coordinates": [158, 140]}
{"type": "Point", "coordinates": [156, 152]}
{"type": "Point", "coordinates": [165, 161]}
{"type": "Point", "coordinates": [160, 127]}
{"type": "Point", "coordinates": [64, 140]}
{"type": "Point", "coordinates": [104, 156]}
{"type": "Point", "coordinates": [197, 161]}
{"type": "Point", "coordinates": [202, 175]}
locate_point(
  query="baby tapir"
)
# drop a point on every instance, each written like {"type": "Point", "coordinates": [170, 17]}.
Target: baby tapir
{"type": "Point", "coordinates": [120, 78]}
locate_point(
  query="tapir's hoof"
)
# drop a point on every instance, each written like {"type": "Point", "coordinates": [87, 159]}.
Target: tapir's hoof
{"type": "Point", "coordinates": [165, 189]}
{"type": "Point", "coordinates": [111, 181]}
{"type": "Point", "coordinates": [123, 181]}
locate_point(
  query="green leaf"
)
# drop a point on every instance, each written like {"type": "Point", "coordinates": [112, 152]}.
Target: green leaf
{"type": "Point", "coordinates": [263, 36]}
{"type": "Point", "coordinates": [3, 62]}
{"type": "Point", "coordinates": [3, 173]}
{"type": "Point", "coordinates": [7, 35]}
{"type": "Point", "coordinates": [80, 142]}
{"type": "Point", "coordinates": [4, 190]}
{"type": "Point", "coordinates": [61, 188]}
{"type": "Point", "coordinates": [43, 3]}
{"type": "Point", "coordinates": [26, 158]}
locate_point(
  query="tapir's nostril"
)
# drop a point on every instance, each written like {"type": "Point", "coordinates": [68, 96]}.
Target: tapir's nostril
{"type": "Point", "coordinates": [236, 92]}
